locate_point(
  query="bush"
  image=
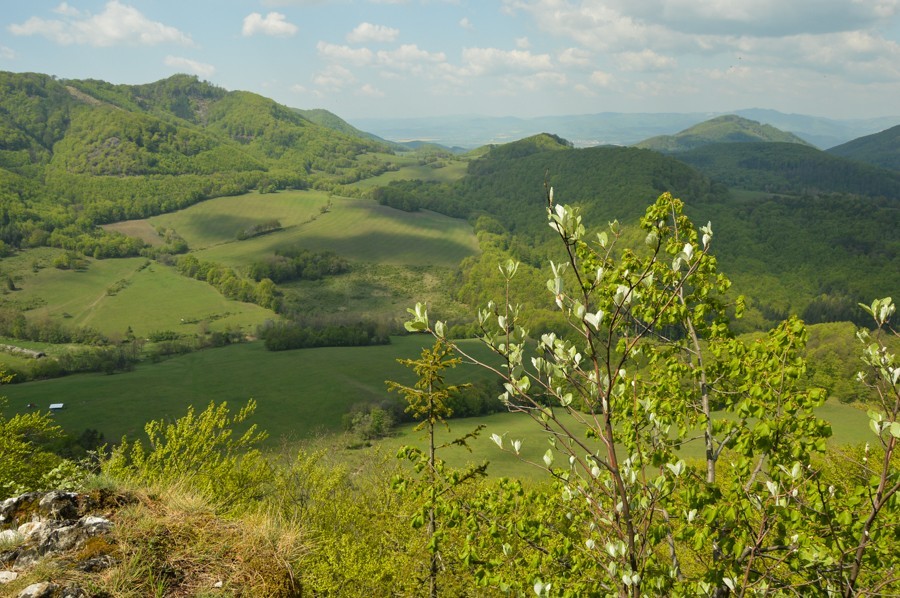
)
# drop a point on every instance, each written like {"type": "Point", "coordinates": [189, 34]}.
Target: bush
{"type": "Point", "coordinates": [202, 451]}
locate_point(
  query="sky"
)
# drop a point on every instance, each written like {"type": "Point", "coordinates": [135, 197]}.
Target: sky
{"type": "Point", "coordinates": [522, 58]}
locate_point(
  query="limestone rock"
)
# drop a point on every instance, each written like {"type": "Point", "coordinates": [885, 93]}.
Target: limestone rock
{"type": "Point", "coordinates": [59, 505]}
{"type": "Point", "coordinates": [43, 589]}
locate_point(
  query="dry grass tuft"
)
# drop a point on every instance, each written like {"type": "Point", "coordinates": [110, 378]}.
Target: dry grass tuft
{"type": "Point", "coordinates": [176, 545]}
{"type": "Point", "coordinates": [170, 542]}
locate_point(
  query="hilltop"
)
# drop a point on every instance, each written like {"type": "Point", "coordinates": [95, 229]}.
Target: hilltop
{"type": "Point", "coordinates": [610, 128]}
{"type": "Point", "coordinates": [141, 159]}
{"type": "Point", "coordinates": [790, 168]}
{"type": "Point", "coordinates": [782, 210]}
{"type": "Point", "coordinates": [722, 129]}
{"type": "Point", "coordinates": [881, 149]}
{"type": "Point", "coordinates": [91, 152]}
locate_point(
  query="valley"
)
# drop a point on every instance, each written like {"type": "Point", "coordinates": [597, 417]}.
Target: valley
{"type": "Point", "coordinates": [169, 247]}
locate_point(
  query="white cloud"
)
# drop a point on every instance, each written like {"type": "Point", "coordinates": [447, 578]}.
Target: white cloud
{"type": "Point", "coordinates": [346, 54]}
{"type": "Point", "coordinates": [601, 78]}
{"type": "Point", "coordinates": [65, 9]}
{"type": "Point", "coordinates": [483, 61]}
{"type": "Point", "coordinates": [544, 80]}
{"type": "Point", "coordinates": [645, 61]}
{"type": "Point", "coordinates": [627, 18]}
{"type": "Point", "coordinates": [764, 44]}
{"type": "Point", "coordinates": [370, 91]}
{"type": "Point", "coordinates": [465, 23]}
{"type": "Point", "coordinates": [574, 57]}
{"type": "Point", "coordinates": [367, 32]}
{"type": "Point", "coordinates": [191, 66]}
{"type": "Point", "coordinates": [294, 2]}
{"type": "Point", "coordinates": [523, 43]}
{"type": "Point", "coordinates": [515, 84]}
{"type": "Point", "coordinates": [760, 17]}
{"type": "Point", "coordinates": [409, 57]}
{"type": "Point", "coordinates": [334, 78]}
{"type": "Point", "coordinates": [7, 53]}
{"type": "Point", "coordinates": [274, 24]}
{"type": "Point", "coordinates": [118, 24]}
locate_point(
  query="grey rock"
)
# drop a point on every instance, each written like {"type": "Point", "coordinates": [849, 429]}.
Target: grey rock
{"type": "Point", "coordinates": [73, 592]}
{"type": "Point", "coordinates": [8, 576]}
{"type": "Point", "coordinates": [59, 505]}
{"type": "Point", "coordinates": [28, 528]}
{"type": "Point", "coordinates": [11, 508]}
{"type": "Point", "coordinates": [43, 589]}
{"type": "Point", "coordinates": [95, 564]}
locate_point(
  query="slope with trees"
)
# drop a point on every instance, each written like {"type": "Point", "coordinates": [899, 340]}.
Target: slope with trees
{"type": "Point", "coordinates": [77, 153]}
{"type": "Point", "coordinates": [807, 208]}
{"type": "Point", "coordinates": [721, 129]}
{"type": "Point", "coordinates": [790, 168]}
{"type": "Point", "coordinates": [879, 149]}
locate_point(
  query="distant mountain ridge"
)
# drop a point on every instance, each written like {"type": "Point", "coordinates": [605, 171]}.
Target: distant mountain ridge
{"type": "Point", "coordinates": [609, 128]}
{"type": "Point", "coordinates": [721, 129]}
{"type": "Point", "coordinates": [881, 149]}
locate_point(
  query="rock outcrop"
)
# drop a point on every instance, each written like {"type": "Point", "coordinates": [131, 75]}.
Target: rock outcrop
{"type": "Point", "coordinates": [76, 526]}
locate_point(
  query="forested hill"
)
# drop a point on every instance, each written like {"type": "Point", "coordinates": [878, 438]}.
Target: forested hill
{"type": "Point", "coordinates": [815, 254]}
{"type": "Point", "coordinates": [722, 129]}
{"type": "Point", "coordinates": [76, 153]}
{"type": "Point", "coordinates": [330, 120]}
{"type": "Point", "coordinates": [790, 168]}
{"type": "Point", "coordinates": [608, 182]}
{"type": "Point", "coordinates": [881, 149]}
{"type": "Point", "coordinates": [507, 183]}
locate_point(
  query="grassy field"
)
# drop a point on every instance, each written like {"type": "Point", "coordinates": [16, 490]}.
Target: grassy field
{"type": "Point", "coordinates": [849, 426]}
{"type": "Point", "coordinates": [111, 295]}
{"type": "Point", "coordinates": [357, 229]}
{"type": "Point", "coordinates": [399, 258]}
{"type": "Point", "coordinates": [301, 394]}
{"type": "Point", "coordinates": [445, 172]}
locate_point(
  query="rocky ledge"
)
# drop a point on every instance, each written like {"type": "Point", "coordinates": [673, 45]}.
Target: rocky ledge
{"type": "Point", "coordinates": [68, 525]}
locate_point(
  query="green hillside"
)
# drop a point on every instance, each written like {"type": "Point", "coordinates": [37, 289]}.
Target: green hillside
{"type": "Point", "coordinates": [74, 154]}
{"type": "Point", "coordinates": [881, 149]}
{"type": "Point", "coordinates": [332, 121]}
{"type": "Point", "coordinates": [722, 129]}
{"type": "Point", "coordinates": [818, 246]}
{"type": "Point", "coordinates": [790, 168]}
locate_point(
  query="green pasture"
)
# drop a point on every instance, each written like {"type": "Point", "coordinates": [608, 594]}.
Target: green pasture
{"type": "Point", "coordinates": [303, 393]}
{"type": "Point", "coordinates": [849, 426]}
{"type": "Point", "coordinates": [111, 295]}
{"type": "Point", "coordinates": [299, 393]}
{"type": "Point", "coordinates": [451, 170]}
{"type": "Point", "coordinates": [357, 229]}
{"type": "Point", "coordinates": [220, 220]}
{"type": "Point", "coordinates": [380, 291]}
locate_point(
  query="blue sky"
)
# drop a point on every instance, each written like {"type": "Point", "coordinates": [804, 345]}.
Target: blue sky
{"type": "Point", "coordinates": [412, 58]}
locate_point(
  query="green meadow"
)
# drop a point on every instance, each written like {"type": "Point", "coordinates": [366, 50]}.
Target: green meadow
{"type": "Point", "coordinates": [444, 171]}
{"type": "Point", "coordinates": [111, 295]}
{"type": "Point", "coordinates": [299, 393]}
{"type": "Point", "coordinates": [397, 258]}
{"type": "Point", "coordinates": [302, 394]}
{"type": "Point", "coordinates": [850, 425]}
{"type": "Point", "coordinates": [357, 229]}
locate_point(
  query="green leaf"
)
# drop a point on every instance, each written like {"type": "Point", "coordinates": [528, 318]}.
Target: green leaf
{"type": "Point", "coordinates": [895, 429]}
{"type": "Point", "coordinates": [548, 457]}
{"type": "Point", "coordinates": [594, 319]}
